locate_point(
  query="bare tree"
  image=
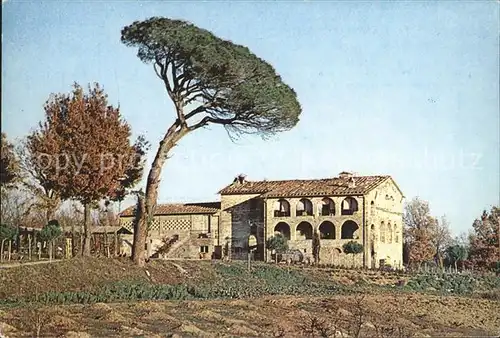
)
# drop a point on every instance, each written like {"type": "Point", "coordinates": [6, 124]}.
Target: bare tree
{"type": "Point", "coordinates": [441, 238]}
{"type": "Point", "coordinates": [9, 164]}
{"type": "Point", "coordinates": [34, 177]}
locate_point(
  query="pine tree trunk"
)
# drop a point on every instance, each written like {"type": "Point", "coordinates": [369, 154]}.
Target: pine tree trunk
{"type": "Point", "coordinates": [173, 135]}
{"type": "Point", "coordinates": [140, 233]}
{"type": "Point", "coordinates": [87, 232]}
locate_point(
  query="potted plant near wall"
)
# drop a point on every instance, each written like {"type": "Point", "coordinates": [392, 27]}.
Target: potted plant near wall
{"type": "Point", "coordinates": [353, 248]}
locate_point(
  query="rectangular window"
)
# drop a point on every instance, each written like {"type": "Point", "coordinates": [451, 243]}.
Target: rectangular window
{"type": "Point", "coordinates": [204, 249]}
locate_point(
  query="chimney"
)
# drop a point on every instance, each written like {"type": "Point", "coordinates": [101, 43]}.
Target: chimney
{"type": "Point", "coordinates": [240, 179]}
{"type": "Point", "coordinates": [345, 174]}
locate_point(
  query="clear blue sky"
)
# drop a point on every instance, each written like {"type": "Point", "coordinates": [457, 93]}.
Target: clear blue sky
{"type": "Point", "coordinates": [409, 89]}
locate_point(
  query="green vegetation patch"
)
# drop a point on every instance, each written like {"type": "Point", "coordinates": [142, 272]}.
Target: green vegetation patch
{"type": "Point", "coordinates": [453, 283]}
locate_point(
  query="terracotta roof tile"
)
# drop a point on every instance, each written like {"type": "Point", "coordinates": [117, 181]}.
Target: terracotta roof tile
{"type": "Point", "coordinates": [180, 209]}
{"type": "Point", "coordinates": [316, 187]}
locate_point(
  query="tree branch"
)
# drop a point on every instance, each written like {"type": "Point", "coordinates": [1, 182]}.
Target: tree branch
{"type": "Point", "coordinates": [175, 81]}
{"type": "Point", "coordinates": [200, 109]}
{"type": "Point", "coordinates": [207, 119]}
{"type": "Point", "coordinates": [156, 71]}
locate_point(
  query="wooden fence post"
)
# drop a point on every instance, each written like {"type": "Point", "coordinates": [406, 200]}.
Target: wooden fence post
{"type": "Point", "coordinates": [10, 249]}
{"type": "Point", "coordinates": [116, 244]}
{"type": "Point", "coordinates": [29, 246]}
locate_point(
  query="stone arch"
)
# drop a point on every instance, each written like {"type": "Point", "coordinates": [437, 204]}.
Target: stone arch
{"type": "Point", "coordinates": [283, 228]}
{"type": "Point", "coordinates": [349, 206]}
{"type": "Point", "coordinates": [327, 230]}
{"type": "Point", "coordinates": [304, 230]}
{"type": "Point", "coordinates": [382, 232]}
{"type": "Point", "coordinates": [304, 207]}
{"type": "Point", "coordinates": [349, 228]}
{"type": "Point", "coordinates": [327, 207]}
{"type": "Point", "coordinates": [281, 208]}
{"type": "Point", "coordinates": [389, 233]}
{"type": "Point", "coordinates": [337, 251]}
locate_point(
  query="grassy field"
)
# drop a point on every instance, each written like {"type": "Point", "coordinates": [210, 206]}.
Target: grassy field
{"type": "Point", "coordinates": [111, 297]}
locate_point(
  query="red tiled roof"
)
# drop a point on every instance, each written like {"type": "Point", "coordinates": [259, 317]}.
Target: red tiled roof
{"type": "Point", "coordinates": [179, 209]}
{"type": "Point", "coordinates": [317, 187]}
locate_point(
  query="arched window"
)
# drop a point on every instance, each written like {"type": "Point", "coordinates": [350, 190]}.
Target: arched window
{"type": "Point", "coordinates": [372, 208]}
{"type": "Point", "coordinates": [389, 233]}
{"type": "Point", "coordinates": [349, 229]}
{"type": "Point", "coordinates": [349, 206]}
{"type": "Point", "coordinates": [304, 230]}
{"type": "Point", "coordinates": [304, 208]}
{"type": "Point", "coordinates": [327, 230]}
{"type": "Point", "coordinates": [327, 207]}
{"type": "Point", "coordinates": [396, 234]}
{"type": "Point", "coordinates": [283, 228]}
{"type": "Point", "coordinates": [281, 208]}
{"type": "Point", "coordinates": [382, 232]}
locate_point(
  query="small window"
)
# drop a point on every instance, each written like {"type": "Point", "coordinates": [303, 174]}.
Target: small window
{"type": "Point", "coordinates": [204, 249]}
{"type": "Point", "coordinates": [305, 250]}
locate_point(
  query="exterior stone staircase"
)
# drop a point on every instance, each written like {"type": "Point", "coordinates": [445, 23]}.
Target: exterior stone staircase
{"type": "Point", "coordinates": [173, 245]}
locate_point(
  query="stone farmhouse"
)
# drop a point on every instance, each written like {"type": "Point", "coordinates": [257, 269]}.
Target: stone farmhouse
{"type": "Point", "coordinates": [367, 209]}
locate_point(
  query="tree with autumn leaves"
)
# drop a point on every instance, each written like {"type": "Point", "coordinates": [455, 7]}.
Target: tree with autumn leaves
{"type": "Point", "coordinates": [427, 238]}
{"type": "Point", "coordinates": [9, 164]}
{"type": "Point", "coordinates": [484, 246]}
{"type": "Point", "coordinates": [418, 224]}
{"type": "Point", "coordinates": [82, 151]}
